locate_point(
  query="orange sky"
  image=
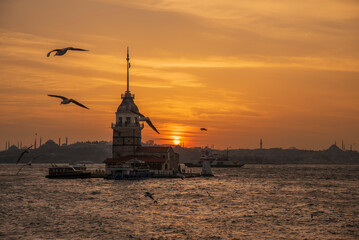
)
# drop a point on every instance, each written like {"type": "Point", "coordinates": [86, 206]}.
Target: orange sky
{"type": "Point", "coordinates": [284, 71]}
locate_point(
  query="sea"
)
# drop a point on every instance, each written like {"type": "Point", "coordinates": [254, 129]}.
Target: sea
{"type": "Point", "coordinates": [252, 202]}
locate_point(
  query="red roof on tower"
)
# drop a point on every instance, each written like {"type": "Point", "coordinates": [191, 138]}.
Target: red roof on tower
{"type": "Point", "coordinates": [153, 149]}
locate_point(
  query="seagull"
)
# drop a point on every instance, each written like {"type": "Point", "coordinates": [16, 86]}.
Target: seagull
{"type": "Point", "coordinates": [148, 194]}
{"type": "Point", "coordinates": [60, 52]}
{"type": "Point", "coordinates": [181, 176]}
{"type": "Point", "coordinates": [203, 129]}
{"type": "Point", "coordinates": [65, 100]}
{"type": "Point", "coordinates": [147, 119]}
{"type": "Point", "coordinates": [22, 154]}
{"type": "Point", "coordinates": [315, 214]}
{"type": "Point", "coordinates": [27, 164]}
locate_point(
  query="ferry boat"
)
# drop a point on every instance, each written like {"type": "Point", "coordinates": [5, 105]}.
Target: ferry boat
{"type": "Point", "coordinates": [132, 169]}
{"type": "Point", "coordinates": [214, 160]}
{"type": "Point", "coordinates": [68, 171]}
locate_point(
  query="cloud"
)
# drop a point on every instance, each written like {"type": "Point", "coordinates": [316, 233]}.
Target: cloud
{"type": "Point", "coordinates": [275, 19]}
{"type": "Point", "coordinates": [27, 52]}
{"type": "Point", "coordinates": [333, 63]}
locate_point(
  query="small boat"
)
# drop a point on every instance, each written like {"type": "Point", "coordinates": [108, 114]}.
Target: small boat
{"type": "Point", "coordinates": [68, 171]}
{"type": "Point", "coordinates": [132, 169]}
{"type": "Point", "coordinates": [215, 162]}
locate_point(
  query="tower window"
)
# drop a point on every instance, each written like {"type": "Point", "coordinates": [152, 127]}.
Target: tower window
{"type": "Point", "coordinates": [128, 120]}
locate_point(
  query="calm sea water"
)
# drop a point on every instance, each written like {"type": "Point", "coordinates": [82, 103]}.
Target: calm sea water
{"type": "Point", "coordinates": [254, 202]}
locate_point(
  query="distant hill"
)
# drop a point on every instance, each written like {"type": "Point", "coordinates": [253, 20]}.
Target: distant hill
{"type": "Point", "coordinates": [50, 152]}
{"type": "Point", "coordinates": [333, 155]}
{"type": "Point", "coordinates": [97, 152]}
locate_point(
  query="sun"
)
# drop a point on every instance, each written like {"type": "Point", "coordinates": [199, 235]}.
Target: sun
{"type": "Point", "coordinates": [176, 141]}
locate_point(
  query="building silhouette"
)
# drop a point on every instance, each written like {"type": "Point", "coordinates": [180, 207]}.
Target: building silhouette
{"type": "Point", "coordinates": [127, 129]}
{"type": "Point", "coordinates": [127, 132]}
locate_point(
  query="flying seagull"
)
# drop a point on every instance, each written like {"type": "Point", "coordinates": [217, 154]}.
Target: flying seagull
{"type": "Point", "coordinates": [65, 100]}
{"type": "Point", "coordinates": [181, 176]}
{"type": "Point", "coordinates": [147, 119]}
{"type": "Point", "coordinates": [148, 194]}
{"type": "Point", "coordinates": [315, 214]}
{"type": "Point", "coordinates": [22, 154]}
{"type": "Point", "coordinates": [27, 164]}
{"type": "Point", "coordinates": [60, 52]}
{"type": "Point", "coordinates": [203, 129]}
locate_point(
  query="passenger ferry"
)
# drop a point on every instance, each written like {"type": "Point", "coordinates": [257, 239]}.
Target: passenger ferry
{"type": "Point", "coordinates": [74, 171]}
{"type": "Point", "coordinates": [68, 171]}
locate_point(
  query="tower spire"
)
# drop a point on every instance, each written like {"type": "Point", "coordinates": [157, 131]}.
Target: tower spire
{"type": "Point", "coordinates": [128, 67]}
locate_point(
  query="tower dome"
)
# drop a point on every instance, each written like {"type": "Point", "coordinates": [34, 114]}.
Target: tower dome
{"type": "Point", "coordinates": [127, 105]}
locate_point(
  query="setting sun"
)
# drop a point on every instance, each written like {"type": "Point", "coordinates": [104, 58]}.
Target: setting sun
{"type": "Point", "coordinates": [176, 141]}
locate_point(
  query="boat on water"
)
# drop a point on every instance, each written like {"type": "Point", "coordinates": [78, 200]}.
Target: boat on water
{"type": "Point", "coordinates": [68, 171]}
{"type": "Point", "coordinates": [73, 171]}
{"type": "Point", "coordinates": [132, 169]}
{"type": "Point", "coordinates": [215, 161]}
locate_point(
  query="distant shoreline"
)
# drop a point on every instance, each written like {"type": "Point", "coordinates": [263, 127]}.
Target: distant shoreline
{"type": "Point", "coordinates": [97, 152]}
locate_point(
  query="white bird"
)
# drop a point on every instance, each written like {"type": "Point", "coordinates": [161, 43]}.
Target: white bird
{"type": "Point", "coordinates": [147, 119]}
{"type": "Point", "coordinates": [62, 51]}
{"type": "Point", "coordinates": [66, 100]}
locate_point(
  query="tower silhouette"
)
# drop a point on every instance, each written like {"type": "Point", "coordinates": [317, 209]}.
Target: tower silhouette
{"type": "Point", "coordinates": [127, 129]}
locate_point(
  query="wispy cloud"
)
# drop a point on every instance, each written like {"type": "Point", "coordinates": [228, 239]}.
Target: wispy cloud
{"type": "Point", "coordinates": [333, 63]}
{"type": "Point", "coordinates": [27, 52]}
{"type": "Point", "coordinates": [262, 17]}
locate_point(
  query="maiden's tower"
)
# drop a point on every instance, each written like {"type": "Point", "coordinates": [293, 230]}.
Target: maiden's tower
{"type": "Point", "coordinates": [127, 139]}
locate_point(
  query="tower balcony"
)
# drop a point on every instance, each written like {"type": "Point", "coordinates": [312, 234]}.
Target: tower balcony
{"type": "Point", "coordinates": [127, 95]}
{"type": "Point", "coordinates": [125, 124]}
